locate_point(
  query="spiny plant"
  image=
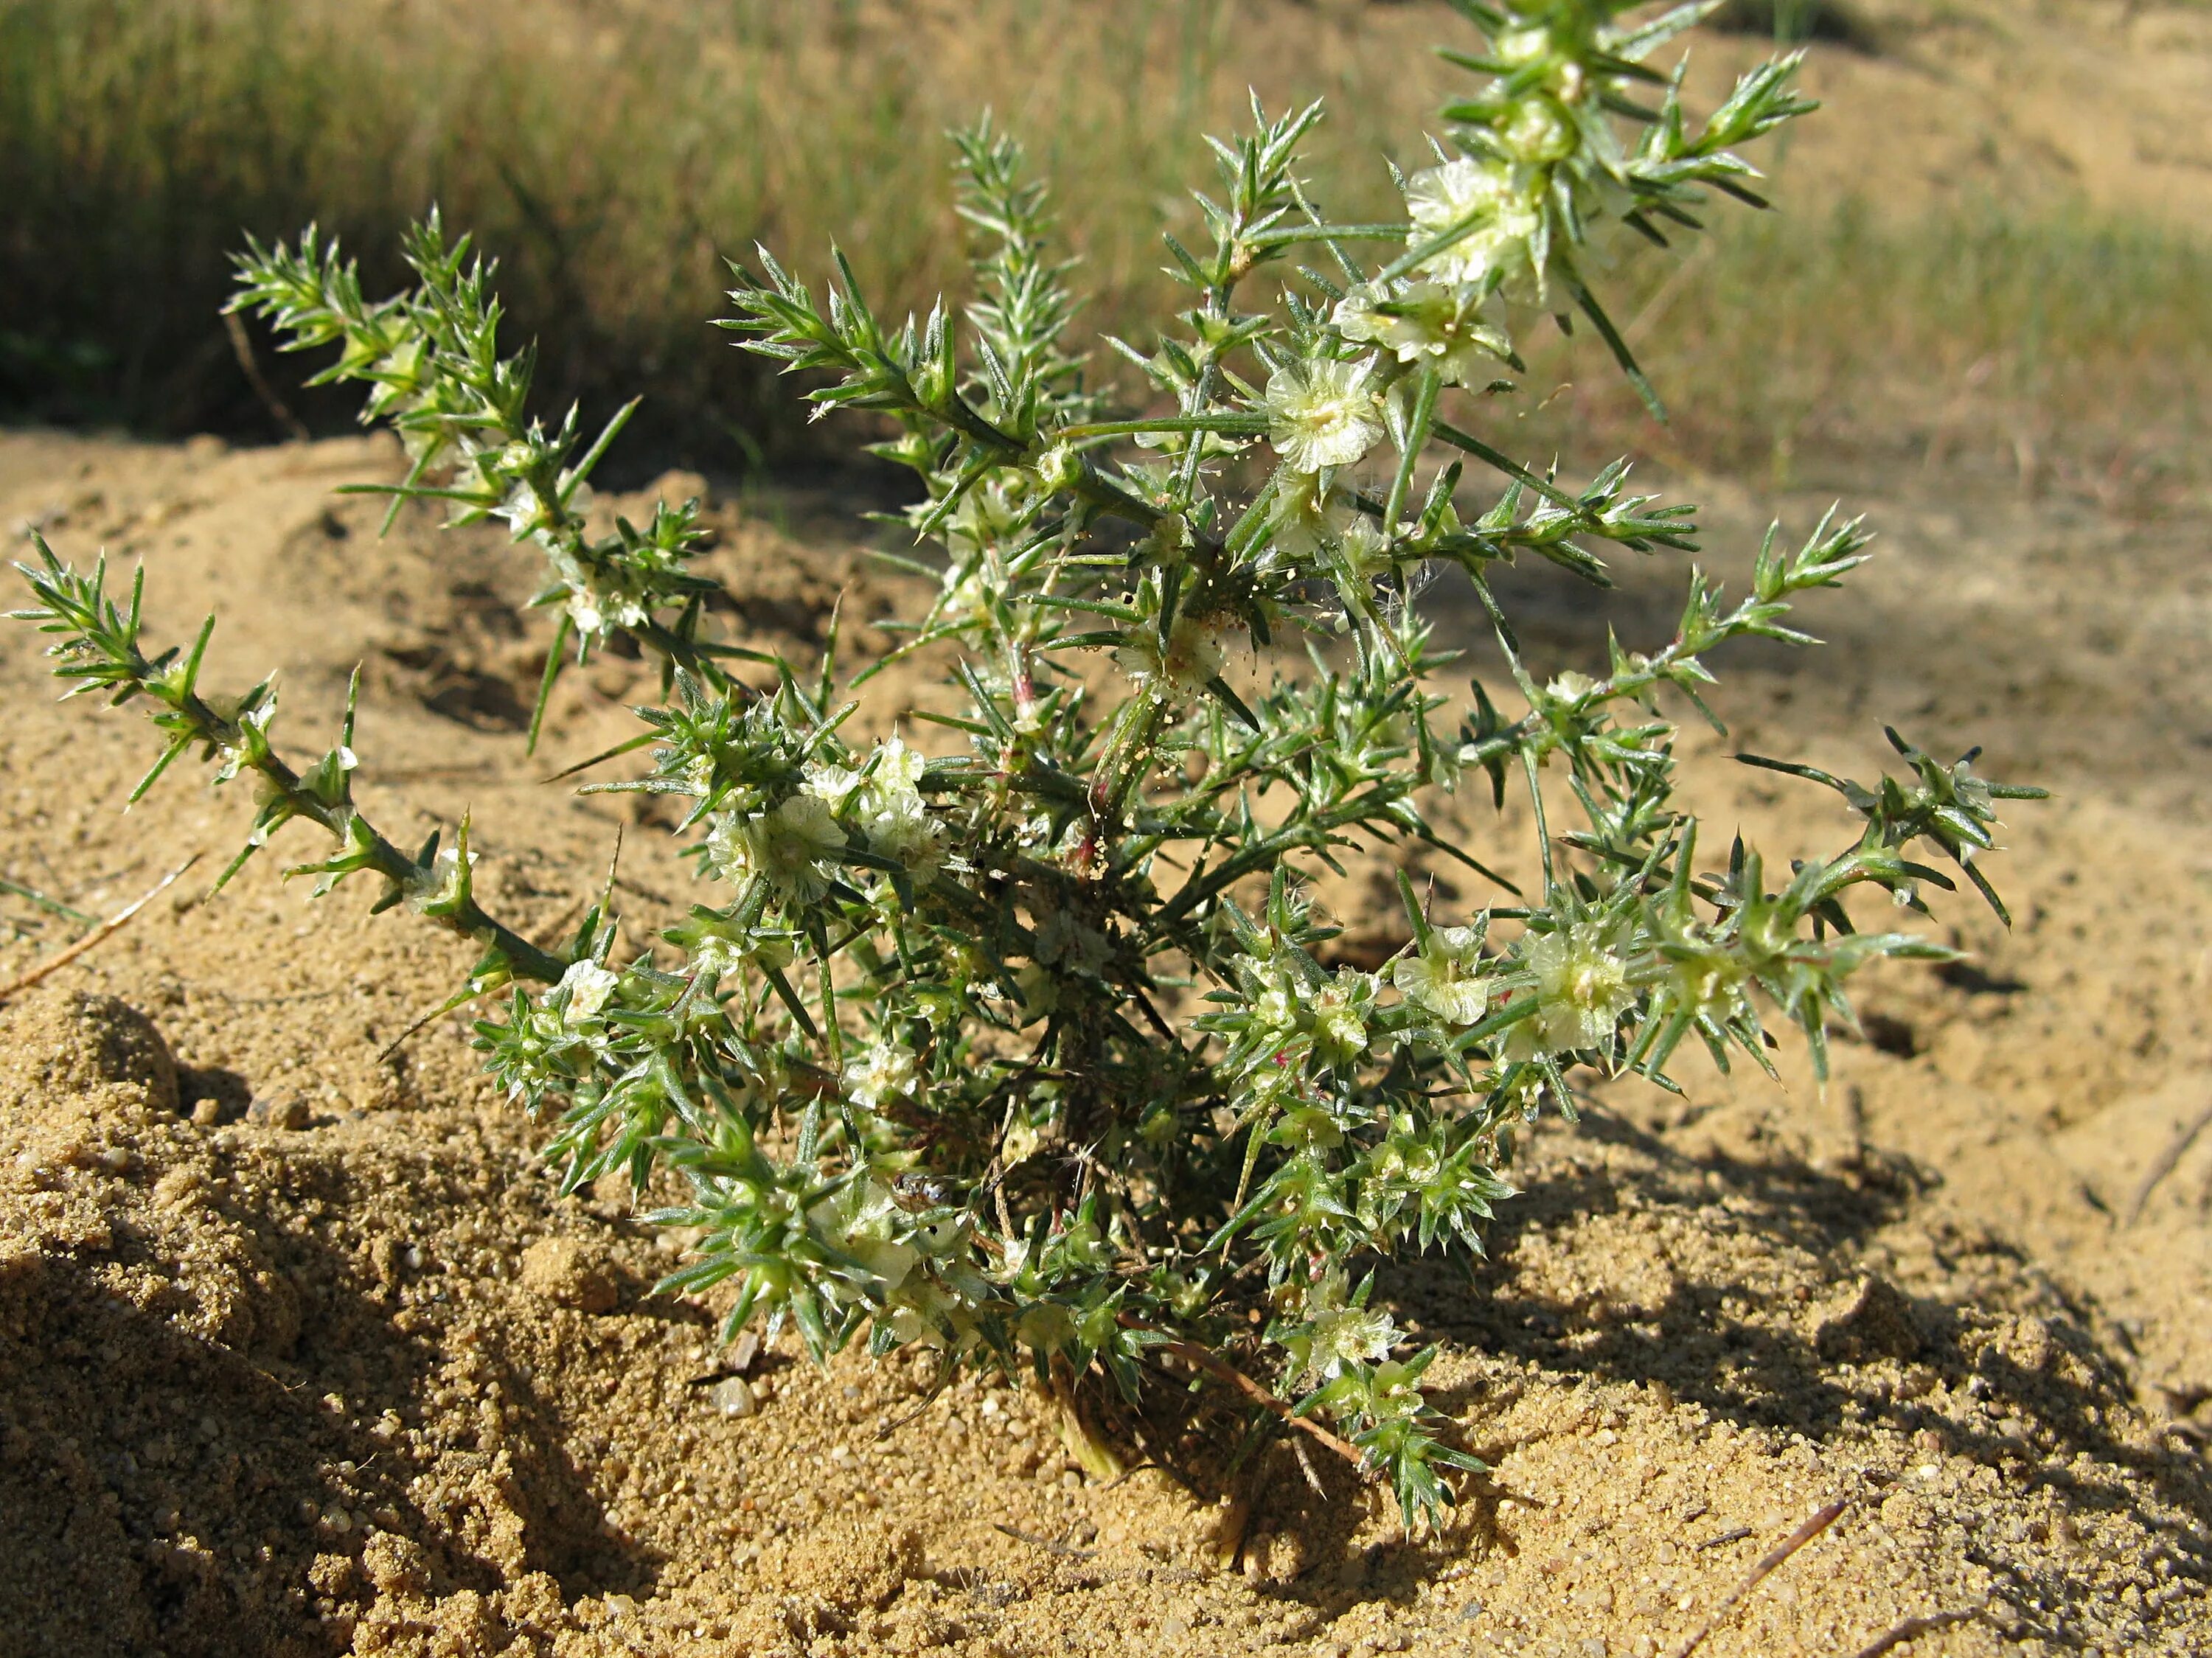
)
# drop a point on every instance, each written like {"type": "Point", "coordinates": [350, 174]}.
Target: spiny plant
{"type": "Point", "coordinates": [1031, 1053]}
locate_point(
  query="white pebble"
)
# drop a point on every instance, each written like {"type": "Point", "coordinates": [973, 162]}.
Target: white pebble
{"type": "Point", "coordinates": [732, 1396]}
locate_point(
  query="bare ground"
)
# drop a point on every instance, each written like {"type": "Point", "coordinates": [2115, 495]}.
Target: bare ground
{"type": "Point", "coordinates": [299, 1352]}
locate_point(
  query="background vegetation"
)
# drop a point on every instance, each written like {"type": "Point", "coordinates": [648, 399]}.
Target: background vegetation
{"type": "Point", "coordinates": [611, 152]}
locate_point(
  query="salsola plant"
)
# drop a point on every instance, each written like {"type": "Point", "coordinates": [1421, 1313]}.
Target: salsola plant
{"type": "Point", "coordinates": [1023, 1044]}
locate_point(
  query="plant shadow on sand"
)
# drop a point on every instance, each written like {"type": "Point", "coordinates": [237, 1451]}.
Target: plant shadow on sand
{"type": "Point", "coordinates": [1826, 1352]}
{"type": "Point", "coordinates": [145, 1457]}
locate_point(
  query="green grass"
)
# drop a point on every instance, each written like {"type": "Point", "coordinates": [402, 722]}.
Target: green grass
{"type": "Point", "coordinates": [2061, 342]}
{"type": "Point", "coordinates": [612, 154]}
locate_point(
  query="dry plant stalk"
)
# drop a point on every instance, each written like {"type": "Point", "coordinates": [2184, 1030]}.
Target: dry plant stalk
{"type": "Point", "coordinates": [41, 971]}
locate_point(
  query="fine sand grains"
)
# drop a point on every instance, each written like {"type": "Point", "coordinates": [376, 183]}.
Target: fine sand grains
{"type": "Point", "coordinates": [300, 1353]}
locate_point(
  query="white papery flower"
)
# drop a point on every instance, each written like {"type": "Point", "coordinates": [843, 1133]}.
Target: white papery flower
{"type": "Point", "coordinates": [885, 1072]}
{"type": "Point", "coordinates": [1491, 199]}
{"type": "Point", "coordinates": [787, 846]}
{"type": "Point", "coordinates": [1447, 977]}
{"type": "Point", "coordinates": [831, 784]}
{"type": "Point", "coordinates": [890, 810]}
{"type": "Point", "coordinates": [862, 1222]}
{"type": "Point", "coordinates": [1582, 988]}
{"type": "Point", "coordinates": [1443, 325]}
{"type": "Point", "coordinates": [441, 882]}
{"type": "Point", "coordinates": [1197, 651]}
{"type": "Point", "coordinates": [1338, 1333]}
{"type": "Point", "coordinates": [1322, 414]}
{"type": "Point", "coordinates": [885, 800]}
{"type": "Point", "coordinates": [589, 986]}
{"type": "Point", "coordinates": [1308, 518]}
{"type": "Point", "coordinates": [1349, 1335]}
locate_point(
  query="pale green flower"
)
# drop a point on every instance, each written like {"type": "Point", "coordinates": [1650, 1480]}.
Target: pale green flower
{"type": "Point", "coordinates": [589, 986]}
{"type": "Point", "coordinates": [1364, 548]}
{"type": "Point", "coordinates": [1337, 1333]}
{"type": "Point", "coordinates": [441, 884]}
{"type": "Point", "coordinates": [1308, 517]}
{"type": "Point", "coordinates": [1495, 203]}
{"type": "Point", "coordinates": [889, 809]}
{"type": "Point", "coordinates": [1064, 940]}
{"type": "Point", "coordinates": [786, 847]}
{"type": "Point", "coordinates": [1351, 1335]}
{"type": "Point", "coordinates": [1443, 325]}
{"type": "Point", "coordinates": [1322, 414]}
{"type": "Point", "coordinates": [1019, 1143]}
{"type": "Point", "coordinates": [1339, 1014]}
{"type": "Point", "coordinates": [881, 1073]}
{"type": "Point", "coordinates": [1538, 132]}
{"type": "Point", "coordinates": [1582, 988]}
{"type": "Point", "coordinates": [1277, 1004]}
{"type": "Point", "coordinates": [1197, 651]}
{"type": "Point", "coordinates": [1037, 991]}
{"type": "Point", "coordinates": [717, 956]}
{"type": "Point", "coordinates": [829, 784]}
{"type": "Point", "coordinates": [862, 1223]}
{"type": "Point", "coordinates": [1447, 977]}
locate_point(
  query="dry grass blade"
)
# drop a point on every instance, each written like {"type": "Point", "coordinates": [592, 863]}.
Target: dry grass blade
{"type": "Point", "coordinates": [2166, 1162]}
{"type": "Point", "coordinates": [1911, 1629]}
{"type": "Point", "coordinates": [1768, 1563]}
{"type": "Point", "coordinates": [51, 906]}
{"type": "Point", "coordinates": [113, 924]}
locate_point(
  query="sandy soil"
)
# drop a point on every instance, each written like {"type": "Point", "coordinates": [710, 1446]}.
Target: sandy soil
{"type": "Point", "coordinates": [299, 1353]}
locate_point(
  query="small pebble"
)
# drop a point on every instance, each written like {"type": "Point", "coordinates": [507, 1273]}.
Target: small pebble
{"type": "Point", "coordinates": [284, 1111]}
{"type": "Point", "coordinates": [732, 1396]}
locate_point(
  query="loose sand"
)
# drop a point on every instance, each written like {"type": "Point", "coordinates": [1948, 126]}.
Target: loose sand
{"type": "Point", "coordinates": [299, 1352]}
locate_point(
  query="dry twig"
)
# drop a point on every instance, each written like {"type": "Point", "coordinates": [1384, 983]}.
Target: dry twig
{"type": "Point", "coordinates": [1223, 1371]}
{"type": "Point", "coordinates": [1913, 1628]}
{"type": "Point", "coordinates": [2166, 1162]}
{"type": "Point", "coordinates": [114, 923]}
{"type": "Point", "coordinates": [1759, 1574]}
{"type": "Point", "coordinates": [242, 348]}
{"type": "Point", "coordinates": [1050, 1545]}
